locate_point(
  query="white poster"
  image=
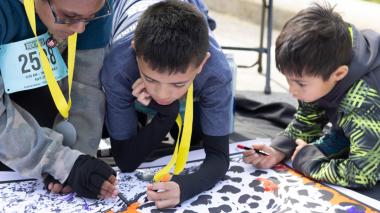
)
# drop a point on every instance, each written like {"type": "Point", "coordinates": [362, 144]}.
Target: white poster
{"type": "Point", "coordinates": [242, 189]}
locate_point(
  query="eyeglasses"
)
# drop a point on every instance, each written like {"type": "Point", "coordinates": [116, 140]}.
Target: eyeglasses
{"type": "Point", "coordinates": [104, 12]}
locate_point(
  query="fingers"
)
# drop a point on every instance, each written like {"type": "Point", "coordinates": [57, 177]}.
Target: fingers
{"type": "Point", "coordinates": [295, 153]}
{"type": "Point", "coordinates": [257, 160]}
{"type": "Point", "coordinates": [107, 188]}
{"type": "Point", "coordinates": [261, 147]}
{"type": "Point", "coordinates": [140, 93]}
{"type": "Point", "coordinates": [265, 148]}
{"type": "Point", "coordinates": [144, 98]}
{"type": "Point", "coordinates": [112, 179]}
{"type": "Point", "coordinates": [88, 176]}
{"type": "Point", "coordinates": [293, 156]}
{"type": "Point", "coordinates": [261, 161]}
{"type": "Point", "coordinates": [252, 156]}
{"type": "Point", "coordinates": [136, 83]}
{"type": "Point", "coordinates": [164, 195]}
{"type": "Point", "coordinates": [138, 88]}
{"type": "Point", "coordinates": [60, 188]}
{"type": "Point", "coordinates": [298, 148]}
{"type": "Point", "coordinates": [55, 187]}
{"type": "Point", "coordinates": [67, 189]}
{"type": "Point", "coordinates": [300, 142]}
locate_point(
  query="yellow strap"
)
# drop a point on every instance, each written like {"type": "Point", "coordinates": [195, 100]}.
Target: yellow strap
{"type": "Point", "coordinates": [166, 170]}
{"type": "Point", "coordinates": [181, 151]}
{"type": "Point", "coordinates": [351, 35]}
{"type": "Point", "coordinates": [58, 97]}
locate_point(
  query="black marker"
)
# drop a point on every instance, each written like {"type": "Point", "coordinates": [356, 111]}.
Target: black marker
{"type": "Point", "coordinates": [256, 150]}
{"type": "Point", "coordinates": [121, 196]}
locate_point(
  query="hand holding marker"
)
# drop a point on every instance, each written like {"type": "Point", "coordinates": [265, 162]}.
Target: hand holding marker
{"type": "Point", "coordinates": [256, 150]}
{"type": "Point", "coordinates": [165, 178]}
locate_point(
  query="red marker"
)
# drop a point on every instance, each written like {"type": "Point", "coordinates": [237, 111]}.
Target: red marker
{"type": "Point", "coordinates": [256, 150]}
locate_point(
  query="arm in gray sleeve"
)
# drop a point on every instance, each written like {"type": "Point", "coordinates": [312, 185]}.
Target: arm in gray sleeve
{"type": "Point", "coordinates": [28, 148]}
{"type": "Point", "coordinates": [88, 100]}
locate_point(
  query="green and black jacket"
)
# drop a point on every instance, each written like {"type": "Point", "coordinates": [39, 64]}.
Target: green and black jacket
{"type": "Point", "coordinates": [353, 109]}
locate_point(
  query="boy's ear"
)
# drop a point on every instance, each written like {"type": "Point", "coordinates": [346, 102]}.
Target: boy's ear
{"type": "Point", "coordinates": [340, 73]}
{"type": "Point", "coordinates": [200, 67]}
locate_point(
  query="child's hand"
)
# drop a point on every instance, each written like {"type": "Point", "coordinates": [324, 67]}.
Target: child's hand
{"type": "Point", "coordinates": [140, 92]}
{"type": "Point", "coordinates": [300, 144]}
{"type": "Point", "coordinates": [92, 178]}
{"type": "Point", "coordinates": [164, 194]}
{"type": "Point", "coordinates": [55, 186]}
{"type": "Point", "coordinates": [261, 161]}
{"type": "Point", "coordinates": [109, 188]}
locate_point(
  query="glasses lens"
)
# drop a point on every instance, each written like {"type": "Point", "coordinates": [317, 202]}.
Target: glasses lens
{"type": "Point", "coordinates": [104, 12]}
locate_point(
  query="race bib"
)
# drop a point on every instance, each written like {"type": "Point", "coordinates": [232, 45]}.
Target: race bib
{"type": "Point", "coordinates": [21, 67]}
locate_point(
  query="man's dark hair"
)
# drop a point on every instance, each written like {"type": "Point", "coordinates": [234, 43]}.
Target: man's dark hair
{"type": "Point", "coordinates": [314, 42]}
{"type": "Point", "coordinates": [171, 36]}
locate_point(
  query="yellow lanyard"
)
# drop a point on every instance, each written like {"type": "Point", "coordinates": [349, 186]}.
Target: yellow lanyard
{"type": "Point", "coordinates": [351, 35]}
{"type": "Point", "coordinates": [181, 151]}
{"type": "Point", "coordinates": [58, 97]}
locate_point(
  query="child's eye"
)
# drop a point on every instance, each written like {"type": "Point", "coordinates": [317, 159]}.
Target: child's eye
{"type": "Point", "coordinates": [179, 85]}
{"type": "Point", "coordinates": [68, 16]}
{"type": "Point", "coordinates": [149, 79]}
{"type": "Point", "coordinates": [301, 84]}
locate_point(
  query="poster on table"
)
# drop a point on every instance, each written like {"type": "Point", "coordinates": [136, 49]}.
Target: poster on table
{"type": "Point", "coordinates": [243, 189]}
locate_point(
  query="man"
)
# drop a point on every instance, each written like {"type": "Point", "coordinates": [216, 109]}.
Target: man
{"type": "Point", "coordinates": [31, 133]}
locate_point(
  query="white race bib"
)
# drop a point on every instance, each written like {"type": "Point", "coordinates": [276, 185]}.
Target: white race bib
{"type": "Point", "coordinates": [21, 67]}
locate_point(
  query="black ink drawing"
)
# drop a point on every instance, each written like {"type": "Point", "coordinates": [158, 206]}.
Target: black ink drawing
{"type": "Point", "coordinates": [243, 189]}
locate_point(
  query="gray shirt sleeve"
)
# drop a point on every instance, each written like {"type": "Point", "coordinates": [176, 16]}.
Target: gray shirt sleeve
{"type": "Point", "coordinates": [88, 100]}
{"type": "Point", "coordinates": [28, 148]}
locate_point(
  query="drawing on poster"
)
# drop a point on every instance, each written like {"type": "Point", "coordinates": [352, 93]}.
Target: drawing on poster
{"type": "Point", "coordinates": [243, 189]}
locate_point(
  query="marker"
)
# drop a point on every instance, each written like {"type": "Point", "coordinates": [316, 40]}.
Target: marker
{"type": "Point", "coordinates": [165, 178]}
{"type": "Point", "coordinates": [125, 200]}
{"type": "Point", "coordinates": [256, 150]}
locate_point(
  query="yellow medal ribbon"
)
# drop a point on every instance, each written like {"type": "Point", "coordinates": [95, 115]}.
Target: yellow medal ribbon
{"type": "Point", "coordinates": [181, 151]}
{"type": "Point", "coordinates": [58, 97]}
{"type": "Point", "coordinates": [351, 34]}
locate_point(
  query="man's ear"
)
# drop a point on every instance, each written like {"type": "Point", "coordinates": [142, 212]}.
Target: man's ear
{"type": "Point", "coordinates": [200, 67]}
{"type": "Point", "coordinates": [340, 73]}
{"type": "Point", "coordinates": [133, 44]}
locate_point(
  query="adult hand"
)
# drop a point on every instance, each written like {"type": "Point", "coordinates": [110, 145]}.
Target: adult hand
{"type": "Point", "coordinates": [55, 186]}
{"type": "Point", "coordinates": [262, 161]}
{"type": "Point", "coordinates": [92, 178]}
{"type": "Point", "coordinates": [300, 144]}
{"type": "Point", "coordinates": [164, 194]}
{"type": "Point", "coordinates": [139, 91]}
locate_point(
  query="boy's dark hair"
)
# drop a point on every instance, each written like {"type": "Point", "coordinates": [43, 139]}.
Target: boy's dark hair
{"type": "Point", "coordinates": [314, 42]}
{"type": "Point", "coordinates": [171, 36]}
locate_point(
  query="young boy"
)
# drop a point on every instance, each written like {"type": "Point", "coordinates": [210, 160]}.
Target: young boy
{"type": "Point", "coordinates": [154, 65]}
{"type": "Point", "coordinates": [333, 69]}
{"type": "Point", "coordinates": [30, 142]}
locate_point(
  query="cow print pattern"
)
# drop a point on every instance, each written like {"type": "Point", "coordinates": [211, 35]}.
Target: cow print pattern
{"type": "Point", "coordinates": [241, 190]}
